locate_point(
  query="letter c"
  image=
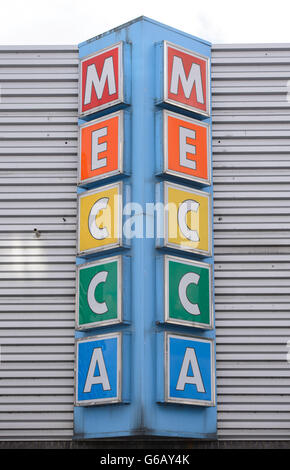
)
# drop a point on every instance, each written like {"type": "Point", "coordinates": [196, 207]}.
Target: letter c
{"type": "Point", "coordinates": [186, 280]}
{"type": "Point", "coordinates": [95, 231]}
{"type": "Point", "coordinates": [97, 307]}
{"type": "Point", "coordinates": [184, 208]}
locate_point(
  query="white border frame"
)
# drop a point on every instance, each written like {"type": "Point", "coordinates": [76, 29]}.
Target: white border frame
{"type": "Point", "coordinates": [177, 246]}
{"type": "Point", "coordinates": [119, 318]}
{"type": "Point", "coordinates": [120, 98]}
{"type": "Point", "coordinates": [120, 219]}
{"type": "Point", "coordinates": [100, 401]}
{"type": "Point", "coordinates": [187, 401]}
{"type": "Point", "coordinates": [186, 176]}
{"type": "Point", "coordinates": [174, 321]}
{"type": "Point", "coordinates": [167, 44]}
{"type": "Point", "coordinates": [120, 169]}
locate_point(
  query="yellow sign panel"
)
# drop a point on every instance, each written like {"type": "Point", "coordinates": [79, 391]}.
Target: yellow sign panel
{"type": "Point", "coordinates": [99, 219]}
{"type": "Point", "coordinates": [188, 219]}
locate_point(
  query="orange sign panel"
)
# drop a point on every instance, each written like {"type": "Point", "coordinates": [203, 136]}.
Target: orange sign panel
{"type": "Point", "coordinates": [101, 147]}
{"type": "Point", "coordinates": [186, 148]}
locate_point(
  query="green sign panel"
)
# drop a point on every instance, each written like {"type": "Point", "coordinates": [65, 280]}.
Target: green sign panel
{"type": "Point", "coordinates": [99, 293]}
{"type": "Point", "coordinates": [188, 293]}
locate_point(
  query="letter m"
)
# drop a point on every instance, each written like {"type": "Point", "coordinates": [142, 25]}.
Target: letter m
{"type": "Point", "coordinates": [194, 79]}
{"type": "Point", "coordinates": [93, 80]}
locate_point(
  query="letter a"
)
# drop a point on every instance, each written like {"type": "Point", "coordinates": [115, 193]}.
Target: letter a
{"type": "Point", "coordinates": [102, 378]}
{"type": "Point", "coordinates": [183, 379]}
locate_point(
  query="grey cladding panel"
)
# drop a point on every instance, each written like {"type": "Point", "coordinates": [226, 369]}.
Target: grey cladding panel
{"type": "Point", "coordinates": [251, 156]}
{"type": "Point", "coordinates": [38, 162]}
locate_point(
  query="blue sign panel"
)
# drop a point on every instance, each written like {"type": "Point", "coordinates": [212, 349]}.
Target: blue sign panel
{"type": "Point", "coordinates": [189, 370]}
{"type": "Point", "coordinates": [98, 370]}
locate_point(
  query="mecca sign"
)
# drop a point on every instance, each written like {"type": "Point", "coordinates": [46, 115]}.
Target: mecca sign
{"type": "Point", "coordinates": [186, 79]}
{"type": "Point", "coordinates": [101, 83]}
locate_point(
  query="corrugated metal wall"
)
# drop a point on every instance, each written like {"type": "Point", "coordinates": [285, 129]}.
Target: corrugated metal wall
{"type": "Point", "coordinates": [251, 152]}
{"type": "Point", "coordinates": [38, 155]}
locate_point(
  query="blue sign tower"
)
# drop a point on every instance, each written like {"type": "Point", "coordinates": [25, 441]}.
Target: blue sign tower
{"type": "Point", "coordinates": [145, 346]}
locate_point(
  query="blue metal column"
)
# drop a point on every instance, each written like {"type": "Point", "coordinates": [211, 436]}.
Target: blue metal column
{"type": "Point", "coordinates": [141, 411]}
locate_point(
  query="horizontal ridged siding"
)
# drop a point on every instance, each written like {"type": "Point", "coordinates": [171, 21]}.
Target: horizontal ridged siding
{"type": "Point", "coordinates": [38, 160]}
{"type": "Point", "coordinates": [251, 154]}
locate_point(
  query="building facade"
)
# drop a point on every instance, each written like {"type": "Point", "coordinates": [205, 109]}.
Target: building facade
{"type": "Point", "coordinates": [38, 162]}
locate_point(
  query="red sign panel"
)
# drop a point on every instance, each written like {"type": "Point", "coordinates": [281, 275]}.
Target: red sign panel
{"type": "Point", "coordinates": [186, 79]}
{"type": "Point", "coordinates": [101, 83]}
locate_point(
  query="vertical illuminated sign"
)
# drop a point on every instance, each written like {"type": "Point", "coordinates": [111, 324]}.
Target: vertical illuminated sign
{"type": "Point", "coordinates": [145, 145]}
{"type": "Point", "coordinates": [102, 298]}
{"type": "Point", "coordinates": [183, 160]}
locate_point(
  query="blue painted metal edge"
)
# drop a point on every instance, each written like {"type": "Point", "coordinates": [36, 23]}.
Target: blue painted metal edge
{"type": "Point", "coordinates": [149, 20]}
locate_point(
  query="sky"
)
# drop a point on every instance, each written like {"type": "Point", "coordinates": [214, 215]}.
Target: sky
{"type": "Point", "coordinates": [73, 21]}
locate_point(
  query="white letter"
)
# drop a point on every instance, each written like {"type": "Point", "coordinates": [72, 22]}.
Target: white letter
{"type": "Point", "coordinates": [99, 84]}
{"type": "Point", "coordinates": [98, 148]}
{"type": "Point", "coordinates": [95, 231]}
{"type": "Point", "coordinates": [184, 147]}
{"type": "Point", "coordinates": [184, 208]}
{"type": "Point", "coordinates": [194, 77]}
{"type": "Point", "coordinates": [183, 379]}
{"type": "Point", "coordinates": [97, 357]}
{"type": "Point", "coordinates": [97, 307]}
{"type": "Point", "coordinates": [189, 278]}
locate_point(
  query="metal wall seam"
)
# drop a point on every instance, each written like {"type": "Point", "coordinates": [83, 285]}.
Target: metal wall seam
{"type": "Point", "coordinates": [38, 162]}
{"type": "Point", "coordinates": [251, 157]}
